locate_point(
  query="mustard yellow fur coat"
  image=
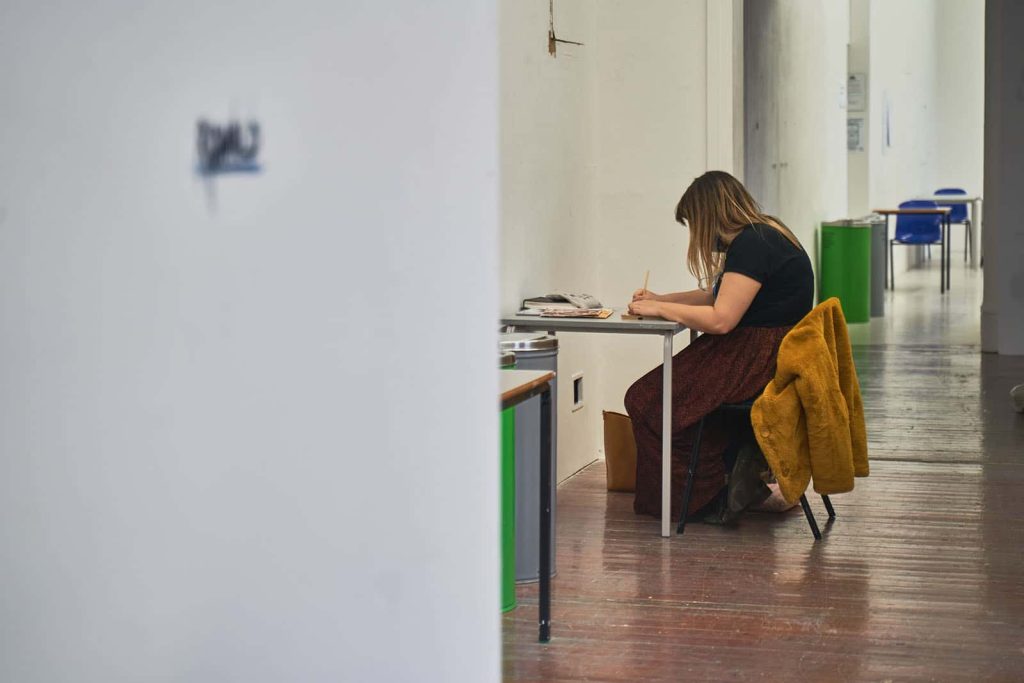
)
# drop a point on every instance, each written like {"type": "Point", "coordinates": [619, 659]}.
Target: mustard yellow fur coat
{"type": "Point", "coordinates": [809, 421]}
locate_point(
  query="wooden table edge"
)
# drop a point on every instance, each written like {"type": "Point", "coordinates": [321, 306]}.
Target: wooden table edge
{"type": "Point", "coordinates": [938, 210]}
{"type": "Point", "coordinates": [527, 387]}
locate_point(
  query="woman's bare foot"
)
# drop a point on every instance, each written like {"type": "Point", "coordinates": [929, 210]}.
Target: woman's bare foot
{"type": "Point", "coordinates": [774, 502]}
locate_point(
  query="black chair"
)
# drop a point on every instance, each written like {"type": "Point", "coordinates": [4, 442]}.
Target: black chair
{"type": "Point", "coordinates": [742, 409]}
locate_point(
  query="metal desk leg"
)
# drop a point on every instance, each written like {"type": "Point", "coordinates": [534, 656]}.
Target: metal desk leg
{"type": "Point", "coordinates": [545, 516]}
{"type": "Point", "coordinates": [949, 252]}
{"type": "Point", "coordinates": [886, 268]}
{"type": "Point", "coordinates": [945, 241]}
{"type": "Point", "coordinates": [942, 261]}
{"type": "Point", "coordinates": [666, 440]}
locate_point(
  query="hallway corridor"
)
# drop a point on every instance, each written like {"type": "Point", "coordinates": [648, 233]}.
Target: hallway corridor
{"type": "Point", "coordinates": [918, 578]}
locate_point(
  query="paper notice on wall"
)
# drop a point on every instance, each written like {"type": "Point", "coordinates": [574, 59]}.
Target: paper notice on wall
{"type": "Point", "coordinates": [856, 92]}
{"type": "Point", "coordinates": [855, 134]}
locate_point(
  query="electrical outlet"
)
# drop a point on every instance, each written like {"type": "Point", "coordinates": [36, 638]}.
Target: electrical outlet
{"type": "Point", "coordinates": [577, 391]}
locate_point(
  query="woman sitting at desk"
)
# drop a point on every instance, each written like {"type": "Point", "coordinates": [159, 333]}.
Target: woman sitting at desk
{"type": "Point", "coordinates": [757, 283]}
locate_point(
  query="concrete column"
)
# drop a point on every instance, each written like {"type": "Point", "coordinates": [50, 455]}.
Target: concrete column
{"type": "Point", "coordinates": [1002, 329]}
{"type": "Point", "coordinates": [795, 111]}
{"type": "Point", "coordinates": [858, 168]}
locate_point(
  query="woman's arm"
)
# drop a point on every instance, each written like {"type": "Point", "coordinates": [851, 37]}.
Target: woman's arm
{"type": "Point", "coordinates": [719, 317]}
{"type": "Point", "coordinates": [695, 297]}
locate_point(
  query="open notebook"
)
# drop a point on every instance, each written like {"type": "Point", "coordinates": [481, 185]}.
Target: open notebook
{"type": "Point", "coordinates": [575, 312]}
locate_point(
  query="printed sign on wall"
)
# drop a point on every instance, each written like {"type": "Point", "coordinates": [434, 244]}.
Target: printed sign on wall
{"type": "Point", "coordinates": [856, 92]}
{"type": "Point", "coordinates": [229, 148]}
{"type": "Point", "coordinates": [855, 135]}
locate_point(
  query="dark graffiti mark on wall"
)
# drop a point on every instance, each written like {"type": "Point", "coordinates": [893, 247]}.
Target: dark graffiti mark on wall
{"type": "Point", "coordinates": [231, 148]}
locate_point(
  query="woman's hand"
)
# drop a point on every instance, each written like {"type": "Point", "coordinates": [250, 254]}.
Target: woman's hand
{"type": "Point", "coordinates": [644, 295]}
{"type": "Point", "coordinates": [647, 307]}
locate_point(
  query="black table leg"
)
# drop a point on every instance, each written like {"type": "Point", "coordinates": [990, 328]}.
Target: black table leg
{"type": "Point", "coordinates": [545, 516]}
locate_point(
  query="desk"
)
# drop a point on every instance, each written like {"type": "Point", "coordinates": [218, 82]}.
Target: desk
{"type": "Point", "coordinates": [943, 211]}
{"type": "Point", "coordinates": [975, 202]}
{"type": "Point", "coordinates": [616, 325]}
{"type": "Point", "coordinates": [517, 386]}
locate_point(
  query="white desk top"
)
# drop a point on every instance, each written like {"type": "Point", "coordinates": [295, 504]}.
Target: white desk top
{"type": "Point", "coordinates": [613, 323]}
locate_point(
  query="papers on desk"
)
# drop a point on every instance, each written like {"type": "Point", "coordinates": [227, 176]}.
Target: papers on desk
{"type": "Point", "coordinates": [600, 313]}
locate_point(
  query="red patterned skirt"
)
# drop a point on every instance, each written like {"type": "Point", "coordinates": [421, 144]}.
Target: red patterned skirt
{"type": "Point", "coordinates": [713, 370]}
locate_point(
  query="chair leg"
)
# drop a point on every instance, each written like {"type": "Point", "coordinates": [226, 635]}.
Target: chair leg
{"type": "Point", "coordinates": [689, 477]}
{"type": "Point", "coordinates": [967, 239]}
{"type": "Point", "coordinates": [828, 506]}
{"type": "Point", "coordinates": [810, 517]}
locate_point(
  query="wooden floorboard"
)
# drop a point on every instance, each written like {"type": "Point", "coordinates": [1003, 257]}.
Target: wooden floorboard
{"type": "Point", "coordinates": [929, 402]}
{"type": "Point", "coordinates": [918, 578]}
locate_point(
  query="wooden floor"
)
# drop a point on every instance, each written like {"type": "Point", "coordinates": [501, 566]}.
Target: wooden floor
{"type": "Point", "coordinates": [920, 577]}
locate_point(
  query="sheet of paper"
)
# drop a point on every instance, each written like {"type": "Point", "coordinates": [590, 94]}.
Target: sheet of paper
{"type": "Point", "coordinates": [856, 92]}
{"type": "Point", "coordinates": [855, 134]}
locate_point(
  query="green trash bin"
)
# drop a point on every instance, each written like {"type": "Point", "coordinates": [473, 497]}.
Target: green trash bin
{"type": "Point", "coordinates": [508, 498]}
{"type": "Point", "coordinates": [845, 268]}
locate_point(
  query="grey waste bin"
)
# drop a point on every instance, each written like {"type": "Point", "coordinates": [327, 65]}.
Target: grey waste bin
{"type": "Point", "coordinates": [879, 264]}
{"type": "Point", "coordinates": [534, 351]}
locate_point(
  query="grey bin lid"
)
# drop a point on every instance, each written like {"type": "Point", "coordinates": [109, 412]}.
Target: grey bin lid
{"type": "Point", "coordinates": [860, 222]}
{"type": "Point", "coordinates": [527, 341]}
{"type": "Point", "coordinates": [506, 358]}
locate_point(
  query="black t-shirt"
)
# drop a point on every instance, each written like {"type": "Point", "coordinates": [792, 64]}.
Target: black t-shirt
{"type": "Point", "coordinates": [787, 282]}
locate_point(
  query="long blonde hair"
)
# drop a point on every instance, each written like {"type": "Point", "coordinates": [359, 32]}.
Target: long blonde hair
{"type": "Point", "coordinates": [716, 207]}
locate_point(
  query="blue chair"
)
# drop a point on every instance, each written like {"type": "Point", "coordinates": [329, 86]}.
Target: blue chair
{"type": "Point", "coordinates": [958, 214]}
{"type": "Point", "coordinates": [918, 230]}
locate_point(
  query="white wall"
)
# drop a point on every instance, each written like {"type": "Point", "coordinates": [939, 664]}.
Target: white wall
{"type": "Point", "coordinates": [925, 99]}
{"type": "Point", "coordinates": [961, 93]}
{"type": "Point", "coordinates": [598, 145]}
{"type": "Point", "coordinates": [238, 439]}
{"type": "Point", "coordinates": [546, 189]}
{"type": "Point", "coordinates": [904, 102]}
{"type": "Point", "coordinates": [651, 141]}
{"type": "Point", "coordinates": [796, 162]}
{"type": "Point", "coordinates": [932, 80]}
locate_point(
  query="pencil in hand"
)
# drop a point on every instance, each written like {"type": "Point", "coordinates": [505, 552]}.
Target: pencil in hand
{"type": "Point", "coordinates": [628, 315]}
